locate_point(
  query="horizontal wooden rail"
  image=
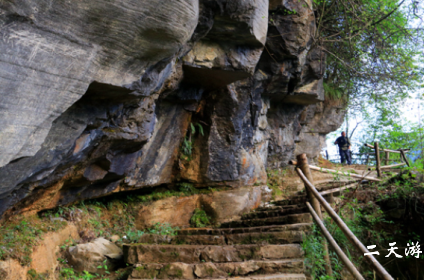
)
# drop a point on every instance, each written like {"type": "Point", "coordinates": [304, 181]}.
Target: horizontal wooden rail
{"type": "Point", "coordinates": [349, 186]}
{"type": "Point", "coordinates": [350, 236]}
{"type": "Point", "coordinates": [349, 265]}
{"type": "Point", "coordinates": [388, 166]}
{"type": "Point", "coordinates": [386, 150]}
{"type": "Point", "coordinates": [293, 162]}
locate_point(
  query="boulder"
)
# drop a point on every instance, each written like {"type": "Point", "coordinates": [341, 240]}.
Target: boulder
{"type": "Point", "coordinates": [90, 256]}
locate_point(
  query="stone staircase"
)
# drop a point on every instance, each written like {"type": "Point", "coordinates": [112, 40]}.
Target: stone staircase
{"type": "Point", "coordinates": [263, 244]}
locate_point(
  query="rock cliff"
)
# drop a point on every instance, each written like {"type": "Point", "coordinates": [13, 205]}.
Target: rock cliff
{"type": "Point", "coordinates": [101, 97]}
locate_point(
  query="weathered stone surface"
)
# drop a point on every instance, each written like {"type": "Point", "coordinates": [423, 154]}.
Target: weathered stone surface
{"type": "Point", "coordinates": [286, 237]}
{"type": "Point", "coordinates": [200, 239]}
{"type": "Point", "coordinates": [11, 269]}
{"type": "Point", "coordinates": [262, 267]}
{"type": "Point", "coordinates": [92, 137]}
{"type": "Point", "coordinates": [155, 239]}
{"type": "Point", "coordinates": [176, 270]}
{"type": "Point", "coordinates": [275, 213]}
{"type": "Point", "coordinates": [46, 44]}
{"type": "Point", "coordinates": [232, 47]}
{"type": "Point", "coordinates": [208, 269]}
{"type": "Point", "coordinates": [44, 256]}
{"type": "Point", "coordinates": [289, 219]}
{"type": "Point", "coordinates": [318, 121]}
{"type": "Point", "coordinates": [220, 206]}
{"type": "Point", "coordinates": [156, 70]}
{"type": "Point", "coordinates": [272, 228]}
{"type": "Point", "coordinates": [90, 256]}
{"type": "Point", "coordinates": [195, 254]}
{"type": "Point", "coordinates": [162, 253]}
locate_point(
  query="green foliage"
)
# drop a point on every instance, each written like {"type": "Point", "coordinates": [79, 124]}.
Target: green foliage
{"type": "Point", "coordinates": [200, 218]}
{"type": "Point", "coordinates": [393, 135]}
{"type": "Point", "coordinates": [187, 145]}
{"type": "Point", "coordinates": [373, 50]}
{"type": "Point", "coordinates": [133, 236]}
{"type": "Point", "coordinates": [193, 128]}
{"type": "Point", "coordinates": [33, 275]}
{"type": "Point", "coordinates": [67, 273]}
{"type": "Point", "coordinates": [364, 220]}
{"type": "Point", "coordinates": [333, 92]}
{"type": "Point", "coordinates": [87, 276]}
{"type": "Point", "coordinates": [104, 267]}
{"type": "Point", "coordinates": [187, 188]}
{"type": "Point", "coordinates": [314, 256]}
{"type": "Point", "coordinates": [275, 179]}
{"type": "Point", "coordinates": [18, 238]}
{"type": "Point", "coordinates": [163, 229]}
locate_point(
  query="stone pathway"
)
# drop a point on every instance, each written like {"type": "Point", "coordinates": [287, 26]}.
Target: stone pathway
{"type": "Point", "coordinates": [264, 244]}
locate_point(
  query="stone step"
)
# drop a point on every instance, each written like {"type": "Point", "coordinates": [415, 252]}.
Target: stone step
{"type": "Point", "coordinates": [143, 254]}
{"type": "Point", "coordinates": [180, 270]}
{"type": "Point", "coordinates": [271, 207]}
{"type": "Point", "coordinates": [282, 237]}
{"type": "Point", "coordinates": [197, 239]}
{"type": "Point", "coordinates": [292, 201]}
{"type": "Point", "coordinates": [271, 237]}
{"type": "Point", "coordinates": [274, 213]}
{"type": "Point", "coordinates": [224, 231]}
{"type": "Point", "coordinates": [254, 277]}
{"type": "Point", "coordinates": [288, 219]}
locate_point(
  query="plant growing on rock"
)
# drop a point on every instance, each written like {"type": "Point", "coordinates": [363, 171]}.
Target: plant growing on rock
{"type": "Point", "coordinates": [187, 188]}
{"type": "Point", "coordinates": [187, 145]}
{"type": "Point", "coordinates": [18, 238]}
{"type": "Point", "coordinates": [275, 180]}
{"type": "Point", "coordinates": [200, 218]}
{"type": "Point", "coordinates": [133, 236]}
{"type": "Point", "coordinates": [163, 229]}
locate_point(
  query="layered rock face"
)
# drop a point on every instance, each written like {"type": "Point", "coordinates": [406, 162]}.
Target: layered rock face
{"type": "Point", "coordinates": [104, 97]}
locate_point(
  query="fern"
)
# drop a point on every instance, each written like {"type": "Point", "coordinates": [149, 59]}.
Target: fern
{"type": "Point", "coordinates": [333, 93]}
{"type": "Point", "coordinates": [187, 145]}
{"type": "Point", "coordinates": [199, 219]}
{"type": "Point", "coordinates": [200, 128]}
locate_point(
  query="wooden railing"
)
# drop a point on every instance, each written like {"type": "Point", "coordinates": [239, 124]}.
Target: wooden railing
{"type": "Point", "coordinates": [387, 153]}
{"type": "Point", "coordinates": [316, 201]}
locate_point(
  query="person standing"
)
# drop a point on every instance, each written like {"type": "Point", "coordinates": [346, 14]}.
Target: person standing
{"type": "Point", "coordinates": [344, 148]}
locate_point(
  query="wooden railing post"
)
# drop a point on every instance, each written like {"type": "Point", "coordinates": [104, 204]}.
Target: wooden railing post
{"type": "Point", "coordinates": [404, 157]}
{"type": "Point", "coordinates": [349, 234]}
{"type": "Point", "coordinates": [302, 164]}
{"type": "Point", "coordinates": [349, 265]}
{"type": "Point", "coordinates": [387, 157]}
{"type": "Point", "coordinates": [377, 158]}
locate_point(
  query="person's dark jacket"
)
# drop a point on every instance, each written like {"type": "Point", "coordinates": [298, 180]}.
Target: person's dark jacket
{"type": "Point", "coordinates": [343, 143]}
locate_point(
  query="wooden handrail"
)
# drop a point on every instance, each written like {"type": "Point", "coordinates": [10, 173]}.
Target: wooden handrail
{"type": "Point", "coordinates": [386, 150]}
{"type": "Point", "coordinates": [350, 266]}
{"type": "Point", "coordinates": [388, 166]}
{"type": "Point", "coordinates": [350, 236]}
{"type": "Point", "coordinates": [342, 173]}
{"type": "Point", "coordinates": [339, 189]}
{"type": "Point", "coordinates": [293, 162]}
